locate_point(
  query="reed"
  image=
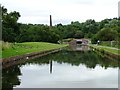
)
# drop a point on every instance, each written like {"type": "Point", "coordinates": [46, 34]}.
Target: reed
{"type": "Point", "coordinates": [6, 45]}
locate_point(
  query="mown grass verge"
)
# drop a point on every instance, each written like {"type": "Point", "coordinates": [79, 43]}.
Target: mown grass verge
{"type": "Point", "coordinates": [110, 50]}
{"type": "Point", "coordinates": [28, 47]}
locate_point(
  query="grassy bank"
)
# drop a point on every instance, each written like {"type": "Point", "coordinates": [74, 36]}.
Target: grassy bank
{"type": "Point", "coordinates": [108, 49]}
{"type": "Point", "coordinates": [27, 47]}
{"type": "Point", "coordinates": [114, 44]}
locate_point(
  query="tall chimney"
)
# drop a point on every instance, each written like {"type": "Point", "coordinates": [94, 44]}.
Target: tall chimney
{"type": "Point", "coordinates": [50, 21]}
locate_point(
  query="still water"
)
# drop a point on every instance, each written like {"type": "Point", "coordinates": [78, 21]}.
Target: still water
{"type": "Point", "coordinates": [65, 69]}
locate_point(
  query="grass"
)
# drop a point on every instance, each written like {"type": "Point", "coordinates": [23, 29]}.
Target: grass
{"type": "Point", "coordinates": [28, 47]}
{"type": "Point", "coordinates": [108, 49]}
{"type": "Point", "coordinates": [115, 44]}
{"type": "Point", "coordinates": [112, 50]}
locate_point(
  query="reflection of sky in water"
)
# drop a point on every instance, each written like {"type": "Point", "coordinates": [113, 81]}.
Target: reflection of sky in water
{"type": "Point", "coordinates": [66, 75]}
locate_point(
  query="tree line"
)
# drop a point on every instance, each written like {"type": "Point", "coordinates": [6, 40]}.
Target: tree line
{"type": "Point", "coordinates": [12, 31]}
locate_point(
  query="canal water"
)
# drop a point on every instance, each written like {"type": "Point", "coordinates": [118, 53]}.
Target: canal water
{"type": "Point", "coordinates": [69, 68]}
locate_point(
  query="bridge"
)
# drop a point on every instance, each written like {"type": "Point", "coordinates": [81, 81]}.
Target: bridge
{"type": "Point", "coordinates": [79, 41]}
{"type": "Point", "coordinates": [82, 41]}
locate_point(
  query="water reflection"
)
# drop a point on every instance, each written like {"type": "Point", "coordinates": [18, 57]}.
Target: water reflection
{"type": "Point", "coordinates": [10, 77]}
{"type": "Point", "coordinates": [78, 47]}
{"type": "Point", "coordinates": [48, 68]}
{"type": "Point", "coordinates": [89, 59]}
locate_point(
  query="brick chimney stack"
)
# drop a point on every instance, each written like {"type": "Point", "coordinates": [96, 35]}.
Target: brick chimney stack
{"type": "Point", "coordinates": [50, 21]}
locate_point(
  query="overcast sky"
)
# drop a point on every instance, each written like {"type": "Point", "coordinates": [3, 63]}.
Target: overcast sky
{"type": "Point", "coordinates": [62, 11]}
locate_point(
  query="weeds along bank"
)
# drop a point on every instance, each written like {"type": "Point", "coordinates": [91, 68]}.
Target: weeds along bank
{"type": "Point", "coordinates": [6, 45]}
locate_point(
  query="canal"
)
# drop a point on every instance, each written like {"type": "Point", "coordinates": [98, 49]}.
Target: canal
{"type": "Point", "coordinates": [78, 67]}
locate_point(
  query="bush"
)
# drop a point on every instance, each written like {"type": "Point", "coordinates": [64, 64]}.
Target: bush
{"type": "Point", "coordinates": [107, 34]}
{"type": "Point", "coordinates": [94, 39]}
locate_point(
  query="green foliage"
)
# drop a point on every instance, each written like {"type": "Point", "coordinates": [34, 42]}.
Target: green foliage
{"type": "Point", "coordinates": [6, 45]}
{"type": "Point", "coordinates": [68, 40]}
{"type": "Point", "coordinates": [105, 48]}
{"type": "Point", "coordinates": [79, 34]}
{"type": "Point", "coordinates": [107, 34]}
{"type": "Point", "coordinates": [110, 43]}
{"type": "Point", "coordinates": [37, 33]}
{"type": "Point", "coordinates": [27, 47]}
{"type": "Point", "coordinates": [10, 25]}
{"type": "Point", "coordinates": [106, 30]}
{"type": "Point", "coordinates": [89, 59]}
{"type": "Point", "coordinates": [90, 26]}
{"type": "Point", "coordinates": [94, 39]}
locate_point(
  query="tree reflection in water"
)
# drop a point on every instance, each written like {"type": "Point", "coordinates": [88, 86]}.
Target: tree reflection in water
{"type": "Point", "coordinates": [10, 77]}
{"type": "Point", "coordinates": [88, 58]}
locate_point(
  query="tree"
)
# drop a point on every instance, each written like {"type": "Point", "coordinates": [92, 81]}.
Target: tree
{"type": "Point", "coordinates": [107, 34]}
{"type": "Point", "coordinates": [10, 25]}
{"type": "Point", "coordinates": [94, 39]}
{"type": "Point", "coordinates": [104, 22]}
{"type": "Point", "coordinates": [78, 34]}
{"type": "Point", "coordinates": [90, 26]}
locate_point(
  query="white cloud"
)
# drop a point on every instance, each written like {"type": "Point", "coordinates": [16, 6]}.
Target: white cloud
{"type": "Point", "coordinates": [62, 11]}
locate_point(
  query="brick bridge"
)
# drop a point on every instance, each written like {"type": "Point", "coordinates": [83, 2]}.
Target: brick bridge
{"type": "Point", "coordinates": [79, 41]}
